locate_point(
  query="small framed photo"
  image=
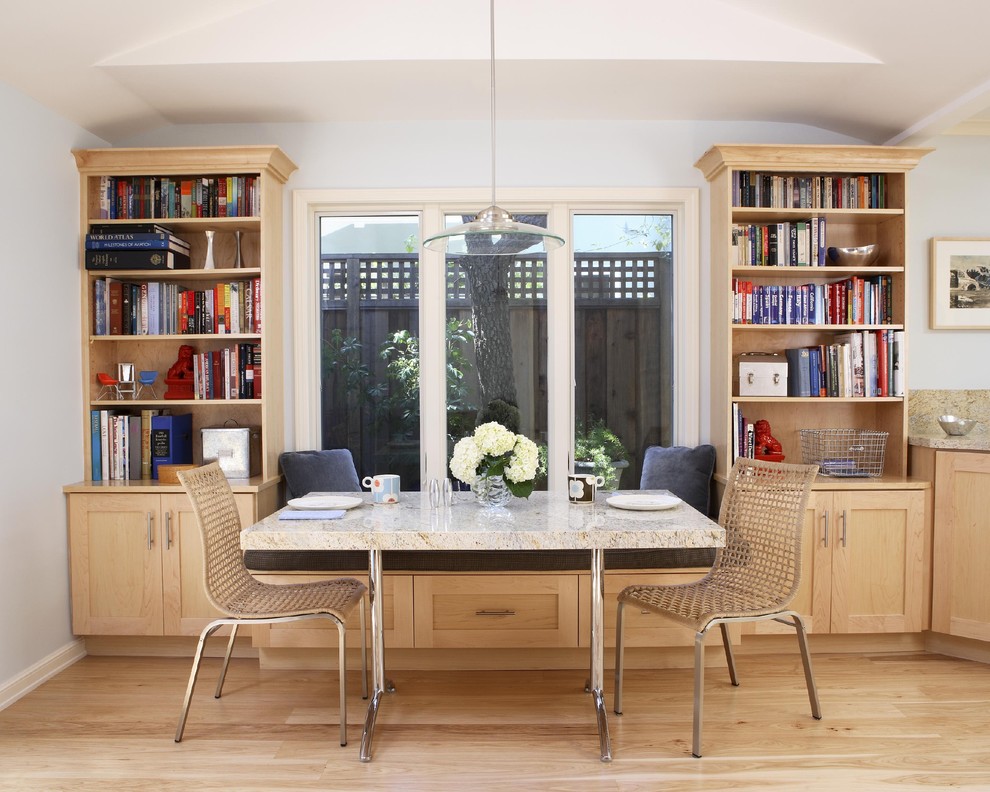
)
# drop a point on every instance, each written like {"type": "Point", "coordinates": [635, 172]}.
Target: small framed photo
{"type": "Point", "coordinates": [960, 285]}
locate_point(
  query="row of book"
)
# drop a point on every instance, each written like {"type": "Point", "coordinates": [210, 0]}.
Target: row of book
{"type": "Point", "coordinates": [861, 364]}
{"type": "Point", "coordinates": [853, 300]}
{"type": "Point", "coordinates": [743, 435]}
{"type": "Point", "coordinates": [230, 373]}
{"type": "Point", "coordinates": [778, 191]}
{"type": "Point", "coordinates": [149, 197]}
{"type": "Point", "coordinates": [138, 246]}
{"type": "Point", "coordinates": [800, 243]}
{"type": "Point", "coordinates": [131, 446]}
{"type": "Point", "coordinates": [166, 308]}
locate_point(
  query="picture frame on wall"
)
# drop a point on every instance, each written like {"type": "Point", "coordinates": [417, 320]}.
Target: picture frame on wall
{"type": "Point", "coordinates": [960, 283]}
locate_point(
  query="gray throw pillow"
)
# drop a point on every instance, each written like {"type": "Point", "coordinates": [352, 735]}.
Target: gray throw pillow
{"type": "Point", "coordinates": [318, 471]}
{"type": "Point", "coordinates": [686, 472]}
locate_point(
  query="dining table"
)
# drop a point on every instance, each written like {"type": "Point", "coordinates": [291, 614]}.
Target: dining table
{"type": "Point", "coordinates": [640, 519]}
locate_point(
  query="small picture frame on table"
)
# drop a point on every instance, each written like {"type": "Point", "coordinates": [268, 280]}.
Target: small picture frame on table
{"type": "Point", "coordinates": [960, 283]}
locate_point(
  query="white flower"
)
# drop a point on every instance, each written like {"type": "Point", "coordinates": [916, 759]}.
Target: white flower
{"type": "Point", "coordinates": [524, 460]}
{"type": "Point", "coordinates": [516, 456]}
{"type": "Point", "coordinates": [467, 455]}
{"type": "Point", "coordinates": [494, 439]}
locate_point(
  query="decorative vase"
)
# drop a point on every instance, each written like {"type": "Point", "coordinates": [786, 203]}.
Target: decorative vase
{"type": "Point", "coordinates": [208, 264]}
{"type": "Point", "coordinates": [490, 491]}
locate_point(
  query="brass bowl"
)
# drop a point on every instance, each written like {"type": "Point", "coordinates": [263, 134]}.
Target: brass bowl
{"type": "Point", "coordinates": [862, 256]}
{"type": "Point", "coordinates": [954, 425]}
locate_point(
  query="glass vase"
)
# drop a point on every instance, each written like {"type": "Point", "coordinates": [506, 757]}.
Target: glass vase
{"type": "Point", "coordinates": [491, 491]}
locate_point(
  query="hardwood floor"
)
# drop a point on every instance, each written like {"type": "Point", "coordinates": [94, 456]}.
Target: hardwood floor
{"type": "Point", "coordinates": [900, 721]}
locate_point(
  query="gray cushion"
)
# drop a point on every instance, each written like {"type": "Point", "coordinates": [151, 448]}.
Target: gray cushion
{"type": "Point", "coordinates": [318, 471]}
{"type": "Point", "coordinates": [686, 472]}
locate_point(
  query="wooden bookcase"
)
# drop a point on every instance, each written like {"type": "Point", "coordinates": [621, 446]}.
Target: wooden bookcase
{"type": "Point", "coordinates": [886, 226]}
{"type": "Point", "coordinates": [261, 252]}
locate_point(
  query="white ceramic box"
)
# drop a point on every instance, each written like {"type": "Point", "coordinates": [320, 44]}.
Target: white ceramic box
{"type": "Point", "coordinates": [762, 375]}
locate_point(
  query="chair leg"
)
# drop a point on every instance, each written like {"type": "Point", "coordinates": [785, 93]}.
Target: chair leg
{"type": "Point", "coordinates": [802, 636]}
{"type": "Point", "coordinates": [364, 653]}
{"type": "Point", "coordinates": [210, 628]}
{"type": "Point", "coordinates": [730, 659]}
{"type": "Point", "coordinates": [699, 691]}
{"type": "Point", "coordinates": [342, 668]}
{"type": "Point", "coordinates": [226, 660]}
{"type": "Point", "coordinates": [619, 657]}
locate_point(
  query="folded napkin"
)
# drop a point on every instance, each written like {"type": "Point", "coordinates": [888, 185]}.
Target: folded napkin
{"type": "Point", "coordinates": [311, 514]}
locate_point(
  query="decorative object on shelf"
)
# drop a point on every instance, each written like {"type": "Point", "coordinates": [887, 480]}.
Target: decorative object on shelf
{"type": "Point", "coordinates": [766, 447]}
{"type": "Point", "coordinates": [960, 281]}
{"type": "Point", "coordinates": [208, 264]}
{"type": "Point", "coordinates": [146, 380]}
{"type": "Point", "coordinates": [110, 389]}
{"type": "Point", "coordinates": [238, 262]}
{"type": "Point", "coordinates": [953, 425]}
{"type": "Point", "coordinates": [860, 256]}
{"type": "Point", "coordinates": [179, 379]}
{"type": "Point", "coordinates": [126, 382]}
{"type": "Point", "coordinates": [487, 233]}
{"type": "Point", "coordinates": [844, 452]}
{"type": "Point", "coordinates": [495, 461]}
{"type": "Point", "coordinates": [762, 374]}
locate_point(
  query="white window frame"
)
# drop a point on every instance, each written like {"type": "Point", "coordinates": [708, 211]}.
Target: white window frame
{"type": "Point", "coordinates": [560, 205]}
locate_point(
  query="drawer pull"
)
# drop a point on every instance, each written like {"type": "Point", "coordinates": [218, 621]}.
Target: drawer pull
{"type": "Point", "coordinates": [495, 613]}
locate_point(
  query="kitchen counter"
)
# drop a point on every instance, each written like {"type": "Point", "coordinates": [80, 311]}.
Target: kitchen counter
{"type": "Point", "coordinates": [925, 406]}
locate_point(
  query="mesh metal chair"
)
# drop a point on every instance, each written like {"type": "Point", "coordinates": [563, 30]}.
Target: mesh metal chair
{"type": "Point", "coordinates": [754, 577]}
{"type": "Point", "coordinates": [245, 600]}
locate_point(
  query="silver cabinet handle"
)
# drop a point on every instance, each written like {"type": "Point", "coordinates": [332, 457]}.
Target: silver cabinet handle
{"type": "Point", "coordinates": [151, 533]}
{"type": "Point", "coordinates": [168, 530]}
{"type": "Point", "coordinates": [495, 613]}
{"type": "Point", "coordinates": [843, 536]}
{"type": "Point", "coordinates": [825, 534]}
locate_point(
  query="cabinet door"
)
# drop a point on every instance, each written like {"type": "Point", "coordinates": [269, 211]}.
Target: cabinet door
{"type": "Point", "coordinates": [961, 586]}
{"type": "Point", "coordinates": [877, 561]}
{"type": "Point", "coordinates": [186, 608]}
{"type": "Point", "coordinates": [115, 552]}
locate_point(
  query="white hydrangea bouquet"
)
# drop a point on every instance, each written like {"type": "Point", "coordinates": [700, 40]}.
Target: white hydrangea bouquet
{"type": "Point", "coordinates": [495, 451]}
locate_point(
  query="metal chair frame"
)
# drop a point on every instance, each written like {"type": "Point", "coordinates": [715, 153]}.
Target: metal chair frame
{"type": "Point", "coordinates": [763, 531]}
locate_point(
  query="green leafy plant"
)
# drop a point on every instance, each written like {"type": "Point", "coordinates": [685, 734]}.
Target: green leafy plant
{"type": "Point", "coordinates": [600, 447]}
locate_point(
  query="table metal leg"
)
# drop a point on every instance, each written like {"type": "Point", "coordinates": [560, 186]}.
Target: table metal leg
{"type": "Point", "coordinates": [598, 649]}
{"type": "Point", "coordinates": [377, 652]}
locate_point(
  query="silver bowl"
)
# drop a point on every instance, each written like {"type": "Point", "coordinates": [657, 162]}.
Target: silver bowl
{"type": "Point", "coordinates": [862, 256]}
{"type": "Point", "coordinates": [954, 425]}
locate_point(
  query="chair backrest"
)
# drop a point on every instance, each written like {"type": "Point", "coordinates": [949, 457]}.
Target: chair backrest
{"type": "Point", "coordinates": [220, 528]}
{"type": "Point", "coordinates": [318, 471]}
{"type": "Point", "coordinates": [763, 512]}
{"type": "Point", "coordinates": [686, 472]}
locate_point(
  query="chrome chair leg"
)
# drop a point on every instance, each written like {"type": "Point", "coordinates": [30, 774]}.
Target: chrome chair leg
{"type": "Point", "coordinates": [699, 691]}
{"type": "Point", "coordinates": [226, 660]}
{"type": "Point", "coordinates": [342, 668]}
{"type": "Point", "coordinates": [619, 657]}
{"type": "Point", "coordinates": [730, 659]}
{"type": "Point", "coordinates": [210, 628]}
{"type": "Point", "coordinates": [364, 652]}
{"type": "Point", "coordinates": [809, 678]}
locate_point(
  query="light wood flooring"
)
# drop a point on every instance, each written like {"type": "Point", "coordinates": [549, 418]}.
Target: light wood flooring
{"type": "Point", "coordinates": [895, 721]}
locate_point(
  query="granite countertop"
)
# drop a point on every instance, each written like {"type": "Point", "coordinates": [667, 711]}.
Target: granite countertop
{"type": "Point", "coordinates": [925, 406]}
{"type": "Point", "coordinates": [544, 521]}
{"type": "Point", "coordinates": [977, 440]}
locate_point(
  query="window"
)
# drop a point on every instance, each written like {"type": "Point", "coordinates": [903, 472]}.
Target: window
{"type": "Point", "coordinates": [400, 322]}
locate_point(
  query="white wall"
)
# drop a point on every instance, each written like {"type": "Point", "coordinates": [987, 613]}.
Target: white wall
{"type": "Point", "coordinates": [41, 396]}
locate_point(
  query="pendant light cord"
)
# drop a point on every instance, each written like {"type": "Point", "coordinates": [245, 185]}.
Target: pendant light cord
{"type": "Point", "coordinates": [491, 28]}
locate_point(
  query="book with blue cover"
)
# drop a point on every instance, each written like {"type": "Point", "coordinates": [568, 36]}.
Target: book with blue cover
{"type": "Point", "coordinates": [171, 441]}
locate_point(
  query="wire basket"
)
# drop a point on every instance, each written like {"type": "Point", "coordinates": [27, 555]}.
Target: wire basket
{"type": "Point", "coordinates": [844, 452]}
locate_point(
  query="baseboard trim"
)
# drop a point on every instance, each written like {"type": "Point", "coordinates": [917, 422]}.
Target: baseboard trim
{"type": "Point", "coordinates": [22, 684]}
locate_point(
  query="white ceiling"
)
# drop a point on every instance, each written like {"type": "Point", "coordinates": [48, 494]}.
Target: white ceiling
{"type": "Point", "coordinates": [884, 71]}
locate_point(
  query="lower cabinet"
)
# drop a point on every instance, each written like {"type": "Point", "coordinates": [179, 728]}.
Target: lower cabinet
{"type": "Point", "coordinates": [863, 567]}
{"type": "Point", "coordinates": [136, 563]}
{"type": "Point", "coordinates": [961, 545]}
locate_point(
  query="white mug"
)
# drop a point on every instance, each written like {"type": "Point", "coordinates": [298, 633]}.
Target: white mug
{"type": "Point", "coordinates": [384, 488]}
{"type": "Point", "coordinates": [581, 487]}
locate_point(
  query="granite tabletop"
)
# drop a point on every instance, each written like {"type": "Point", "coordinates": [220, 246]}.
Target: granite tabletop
{"type": "Point", "coordinates": [544, 521]}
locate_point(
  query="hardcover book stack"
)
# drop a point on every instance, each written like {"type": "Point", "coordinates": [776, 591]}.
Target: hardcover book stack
{"type": "Point", "coordinates": [135, 247]}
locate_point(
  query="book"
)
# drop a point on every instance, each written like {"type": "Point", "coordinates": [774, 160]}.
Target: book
{"type": "Point", "coordinates": [136, 241]}
{"type": "Point", "coordinates": [798, 371]}
{"type": "Point", "coordinates": [897, 367]}
{"type": "Point", "coordinates": [135, 259]}
{"type": "Point", "coordinates": [96, 458]}
{"type": "Point", "coordinates": [133, 447]}
{"type": "Point", "coordinates": [145, 445]}
{"type": "Point", "coordinates": [856, 348]}
{"type": "Point", "coordinates": [171, 440]}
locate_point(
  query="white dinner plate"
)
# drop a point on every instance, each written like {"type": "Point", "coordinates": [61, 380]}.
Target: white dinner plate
{"type": "Point", "coordinates": [325, 502]}
{"type": "Point", "coordinates": [644, 502]}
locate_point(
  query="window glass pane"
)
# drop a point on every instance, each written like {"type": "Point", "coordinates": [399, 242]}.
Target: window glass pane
{"type": "Point", "coordinates": [497, 341]}
{"type": "Point", "coordinates": [623, 342]}
{"type": "Point", "coordinates": [369, 297]}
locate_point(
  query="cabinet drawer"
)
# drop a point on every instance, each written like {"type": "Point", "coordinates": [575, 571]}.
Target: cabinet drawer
{"type": "Point", "coordinates": [494, 611]}
{"type": "Point", "coordinates": [396, 616]}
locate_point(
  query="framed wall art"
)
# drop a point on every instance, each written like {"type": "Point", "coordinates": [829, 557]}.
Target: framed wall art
{"type": "Point", "coordinates": [960, 284]}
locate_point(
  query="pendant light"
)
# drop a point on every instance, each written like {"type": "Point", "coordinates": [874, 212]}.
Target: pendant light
{"type": "Point", "coordinates": [493, 231]}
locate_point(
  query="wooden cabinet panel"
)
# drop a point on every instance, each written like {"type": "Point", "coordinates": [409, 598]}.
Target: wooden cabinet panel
{"type": "Point", "coordinates": [480, 611]}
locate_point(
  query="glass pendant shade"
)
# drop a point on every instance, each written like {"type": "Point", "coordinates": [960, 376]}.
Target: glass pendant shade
{"type": "Point", "coordinates": [493, 232]}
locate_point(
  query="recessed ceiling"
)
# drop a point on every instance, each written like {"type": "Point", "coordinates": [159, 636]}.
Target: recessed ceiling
{"type": "Point", "coordinates": [883, 71]}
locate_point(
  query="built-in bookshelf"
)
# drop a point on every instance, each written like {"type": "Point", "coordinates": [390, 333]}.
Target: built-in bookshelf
{"type": "Point", "coordinates": [775, 211]}
{"type": "Point", "coordinates": [218, 211]}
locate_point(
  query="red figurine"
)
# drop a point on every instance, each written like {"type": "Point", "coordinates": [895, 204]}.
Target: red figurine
{"type": "Point", "coordinates": [766, 446]}
{"type": "Point", "coordinates": [179, 379]}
